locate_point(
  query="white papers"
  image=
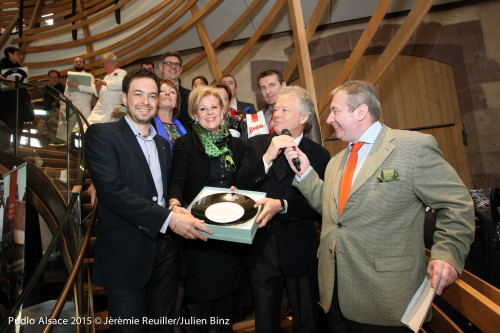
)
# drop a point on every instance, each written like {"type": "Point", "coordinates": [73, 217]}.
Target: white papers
{"type": "Point", "coordinates": [416, 311]}
{"type": "Point", "coordinates": [11, 73]}
{"type": "Point", "coordinates": [82, 78]}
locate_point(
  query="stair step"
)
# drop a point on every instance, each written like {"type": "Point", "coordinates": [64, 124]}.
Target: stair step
{"type": "Point", "coordinates": [88, 261]}
{"type": "Point", "coordinates": [51, 162]}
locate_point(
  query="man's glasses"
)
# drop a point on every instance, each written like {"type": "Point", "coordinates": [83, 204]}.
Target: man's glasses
{"type": "Point", "coordinates": [174, 64]}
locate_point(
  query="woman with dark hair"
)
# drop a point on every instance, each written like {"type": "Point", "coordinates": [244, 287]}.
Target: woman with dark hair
{"type": "Point", "coordinates": [207, 156]}
{"type": "Point", "coordinates": [199, 80]}
{"type": "Point", "coordinates": [165, 121]}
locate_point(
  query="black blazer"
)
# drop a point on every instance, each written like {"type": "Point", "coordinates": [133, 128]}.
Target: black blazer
{"type": "Point", "coordinates": [296, 235]}
{"type": "Point", "coordinates": [212, 267]}
{"type": "Point", "coordinates": [191, 166]}
{"type": "Point", "coordinates": [184, 117]}
{"type": "Point", "coordinates": [243, 105]}
{"type": "Point", "coordinates": [129, 217]}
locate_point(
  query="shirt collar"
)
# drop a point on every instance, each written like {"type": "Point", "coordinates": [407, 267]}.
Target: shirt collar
{"type": "Point", "coordinates": [112, 70]}
{"type": "Point", "coordinates": [299, 138]}
{"type": "Point", "coordinates": [370, 135]}
{"type": "Point", "coordinates": [234, 104]}
{"type": "Point", "coordinates": [137, 132]}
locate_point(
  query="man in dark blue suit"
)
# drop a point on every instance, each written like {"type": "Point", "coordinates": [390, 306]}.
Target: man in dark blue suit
{"type": "Point", "coordinates": [171, 68]}
{"type": "Point", "coordinates": [136, 257]}
{"type": "Point", "coordinates": [284, 249]}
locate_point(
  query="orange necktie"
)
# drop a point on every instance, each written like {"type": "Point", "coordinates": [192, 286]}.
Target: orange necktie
{"type": "Point", "coordinates": [271, 122]}
{"type": "Point", "coordinates": [345, 182]}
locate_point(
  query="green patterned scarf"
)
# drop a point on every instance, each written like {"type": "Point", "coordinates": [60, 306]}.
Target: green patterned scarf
{"type": "Point", "coordinates": [216, 145]}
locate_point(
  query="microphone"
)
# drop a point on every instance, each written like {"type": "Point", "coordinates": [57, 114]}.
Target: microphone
{"type": "Point", "coordinates": [296, 162]}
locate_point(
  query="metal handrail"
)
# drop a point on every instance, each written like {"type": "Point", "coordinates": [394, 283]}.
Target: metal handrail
{"type": "Point", "coordinates": [66, 217]}
{"type": "Point", "coordinates": [41, 265]}
{"type": "Point", "coordinates": [72, 276]}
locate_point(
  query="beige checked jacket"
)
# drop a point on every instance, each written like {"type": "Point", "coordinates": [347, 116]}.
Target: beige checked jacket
{"type": "Point", "coordinates": [379, 237]}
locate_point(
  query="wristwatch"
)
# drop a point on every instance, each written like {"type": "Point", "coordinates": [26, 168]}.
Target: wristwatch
{"type": "Point", "coordinates": [283, 207]}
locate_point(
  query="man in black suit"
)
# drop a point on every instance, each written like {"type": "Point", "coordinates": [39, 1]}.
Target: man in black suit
{"type": "Point", "coordinates": [171, 68]}
{"type": "Point", "coordinates": [284, 249]}
{"type": "Point", "coordinates": [55, 87]}
{"type": "Point", "coordinates": [244, 107]}
{"type": "Point", "coordinates": [136, 257]}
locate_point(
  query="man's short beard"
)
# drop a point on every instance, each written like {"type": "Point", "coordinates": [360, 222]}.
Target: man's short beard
{"type": "Point", "coordinates": [79, 69]}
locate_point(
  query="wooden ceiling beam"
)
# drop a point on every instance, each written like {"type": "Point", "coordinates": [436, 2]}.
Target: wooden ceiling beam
{"type": "Point", "coordinates": [405, 31]}
{"type": "Point", "coordinates": [312, 25]}
{"type": "Point", "coordinates": [113, 31]}
{"type": "Point", "coordinates": [35, 15]}
{"type": "Point", "coordinates": [147, 51]}
{"type": "Point", "coordinates": [207, 45]}
{"type": "Point", "coordinates": [255, 36]}
{"type": "Point", "coordinates": [67, 28]}
{"type": "Point", "coordinates": [152, 34]}
{"type": "Point", "coordinates": [5, 36]}
{"type": "Point", "coordinates": [224, 36]}
{"type": "Point", "coordinates": [303, 58]}
{"type": "Point", "coordinates": [352, 61]}
{"type": "Point", "coordinates": [85, 29]}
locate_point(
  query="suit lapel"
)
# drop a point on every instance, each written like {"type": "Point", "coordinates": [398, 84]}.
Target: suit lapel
{"type": "Point", "coordinates": [335, 173]}
{"type": "Point", "coordinates": [379, 152]}
{"type": "Point", "coordinates": [164, 155]}
{"type": "Point", "coordinates": [131, 142]}
{"type": "Point", "coordinates": [338, 169]}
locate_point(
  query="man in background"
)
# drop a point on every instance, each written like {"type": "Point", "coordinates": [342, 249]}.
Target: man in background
{"type": "Point", "coordinates": [236, 105]}
{"type": "Point", "coordinates": [149, 65]}
{"type": "Point", "coordinates": [8, 97]}
{"type": "Point", "coordinates": [373, 201]}
{"type": "Point", "coordinates": [284, 250]}
{"type": "Point", "coordinates": [55, 87]}
{"type": "Point", "coordinates": [270, 82]}
{"type": "Point", "coordinates": [82, 98]}
{"type": "Point", "coordinates": [51, 103]}
{"type": "Point", "coordinates": [109, 90]}
{"type": "Point", "coordinates": [171, 68]}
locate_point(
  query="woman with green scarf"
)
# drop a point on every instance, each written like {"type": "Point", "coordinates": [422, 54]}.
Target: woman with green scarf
{"type": "Point", "coordinates": [207, 156]}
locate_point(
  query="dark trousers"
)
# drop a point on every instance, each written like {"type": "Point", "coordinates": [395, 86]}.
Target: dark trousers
{"type": "Point", "coordinates": [154, 302]}
{"type": "Point", "coordinates": [215, 313]}
{"type": "Point", "coordinates": [337, 323]}
{"type": "Point", "coordinates": [268, 280]}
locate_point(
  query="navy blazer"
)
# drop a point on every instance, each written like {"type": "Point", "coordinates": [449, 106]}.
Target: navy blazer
{"type": "Point", "coordinates": [184, 117]}
{"type": "Point", "coordinates": [297, 239]}
{"type": "Point", "coordinates": [129, 217]}
{"type": "Point", "coordinates": [244, 105]}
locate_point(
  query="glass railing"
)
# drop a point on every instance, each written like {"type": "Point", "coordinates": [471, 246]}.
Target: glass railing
{"type": "Point", "coordinates": [51, 138]}
{"type": "Point", "coordinates": [52, 142]}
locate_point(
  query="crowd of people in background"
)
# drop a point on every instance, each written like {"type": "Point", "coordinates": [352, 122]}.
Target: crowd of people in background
{"type": "Point", "coordinates": [152, 145]}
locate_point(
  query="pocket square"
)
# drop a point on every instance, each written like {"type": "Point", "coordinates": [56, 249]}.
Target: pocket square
{"type": "Point", "coordinates": [388, 176]}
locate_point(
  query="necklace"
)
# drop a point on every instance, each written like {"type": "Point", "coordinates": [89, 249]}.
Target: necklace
{"type": "Point", "coordinates": [145, 136]}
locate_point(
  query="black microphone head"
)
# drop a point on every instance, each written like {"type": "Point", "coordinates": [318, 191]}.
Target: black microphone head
{"type": "Point", "coordinates": [286, 132]}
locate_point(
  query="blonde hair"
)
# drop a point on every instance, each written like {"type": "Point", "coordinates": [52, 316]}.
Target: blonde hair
{"type": "Point", "coordinates": [202, 91]}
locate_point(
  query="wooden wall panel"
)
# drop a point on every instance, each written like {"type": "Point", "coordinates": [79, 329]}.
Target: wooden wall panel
{"type": "Point", "coordinates": [414, 93]}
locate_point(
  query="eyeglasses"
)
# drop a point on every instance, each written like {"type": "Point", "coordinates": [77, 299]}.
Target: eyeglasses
{"type": "Point", "coordinates": [169, 63]}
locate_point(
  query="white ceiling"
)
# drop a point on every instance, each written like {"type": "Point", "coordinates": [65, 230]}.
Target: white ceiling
{"type": "Point", "coordinates": [337, 11]}
{"type": "Point", "coordinates": [216, 22]}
